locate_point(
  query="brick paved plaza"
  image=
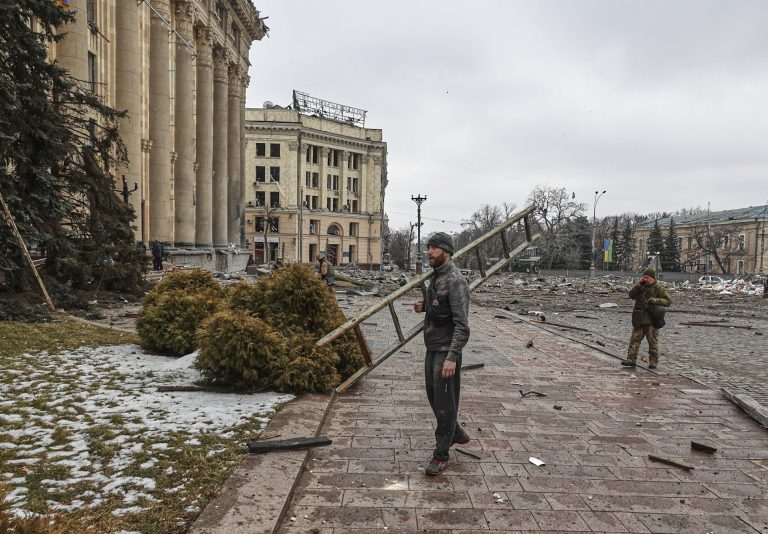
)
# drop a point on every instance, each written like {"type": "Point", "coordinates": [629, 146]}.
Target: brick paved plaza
{"type": "Point", "coordinates": [597, 475]}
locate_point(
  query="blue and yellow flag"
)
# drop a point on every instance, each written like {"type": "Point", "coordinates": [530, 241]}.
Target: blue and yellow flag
{"type": "Point", "coordinates": [608, 251]}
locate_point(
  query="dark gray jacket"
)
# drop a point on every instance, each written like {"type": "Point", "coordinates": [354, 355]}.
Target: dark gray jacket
{"type": "Point", "coordinates": [446, 326]}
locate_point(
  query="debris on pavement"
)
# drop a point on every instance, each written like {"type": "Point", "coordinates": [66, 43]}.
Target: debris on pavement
{"type": "Point", "coordinates": [667, 461]}
{"type": "Point", "coordinates": [475, 456]}
{"type": "Point", "coordinates": [261, 447]}
{"type": "Point", "coordinates": [532, 392]}
{"type": "Point", "coordinates": [536, 461]}
{"type": "Point", "coordinates": [472, 366]}
{"type": "Point", "coordinates": [701, 447]}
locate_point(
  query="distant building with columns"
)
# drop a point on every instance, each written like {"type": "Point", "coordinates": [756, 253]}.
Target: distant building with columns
{"type": "Point", "coordinates": [180, 69]}
{"type": "Point", "coordinates": [316, 184]}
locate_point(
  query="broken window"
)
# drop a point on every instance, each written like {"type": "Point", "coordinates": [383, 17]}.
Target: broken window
{"type": "Point", "coordinates": [352, 253]}
{"type": "Point", "coordinates": [354, 185]}
{"type": "Point", "coordinates": [308, 179]}
{"type": "Point", "coordinates": [260, 198]}
{"type": "Point", "coordinates": [259, 224]}
{"type": "Point", "coordinates": [315, 179]}
{"type": "Point", "coordinates": [309, 154]}
{"type": "Point", "coordinates": [261, 173]}
{"type": "Point", "coordinates": [92, 72]}
{"type": "Point", "coordinates": [742, 241]}
{"type": "Point", "coordinates": [315, 154]}
{"type": "Point", "coordinates": [726, 241]}
{"type": "Point", "coordinates": [354, 206]}
{"type": "Point", "coordinates": [353, 229]}
{"type": "Point", "coordinates": [261, 150]}
{"type": "Point", "coordinates": [274, 150]}
{"type": "Point", "coordinates": [353, 161]}
{"type": "Point", "coordinates": [335, 183]}
{"type": "Point", "coordinates": [274, 224]}
{"type": "Point", "coordinates": [334, 229]}
{"type": "Point", "coordinates": [274, 199]}
{"type": "Point", "coordinates": [328, 182]}
{"type": "Point", "coordinates": [274, 174]}
{"type": "Point", "coordinates": [690, 242]}
{"type": "Point", "coordinates": [314, 225]}
{"type": "Point", "coordinates": [314, 202]}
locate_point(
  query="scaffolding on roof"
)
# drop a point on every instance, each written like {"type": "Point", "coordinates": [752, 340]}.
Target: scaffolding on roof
{"type": "Point", "coordinates": [310, 105]}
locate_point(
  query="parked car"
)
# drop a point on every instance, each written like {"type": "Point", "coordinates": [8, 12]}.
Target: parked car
{"type": "Point", "coordinates": [708, 280]}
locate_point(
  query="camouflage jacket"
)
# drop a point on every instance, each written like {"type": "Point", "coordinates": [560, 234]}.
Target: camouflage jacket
{"type": "Point", "coordinates": [645, 297]}
{"type": "Point", "coordinates": [446, 325]}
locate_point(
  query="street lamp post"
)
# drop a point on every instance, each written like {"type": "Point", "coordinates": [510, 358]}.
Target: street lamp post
{"type": "Point", "coordinates": [762, 239]}
{"type": "Point", "coordinates": [598, 195]}
{"type": "Point", "coordinates": [419, 200]}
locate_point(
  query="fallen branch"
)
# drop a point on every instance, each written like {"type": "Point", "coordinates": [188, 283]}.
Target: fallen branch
{"type": "Point", "coordinates": [472, 366]}
{"type": "Point", "coordinates": [260, 447]}
{"type": "Point", "coordinates": [666, 461]}
{"type": "Point", "coordinates": [536, 393]}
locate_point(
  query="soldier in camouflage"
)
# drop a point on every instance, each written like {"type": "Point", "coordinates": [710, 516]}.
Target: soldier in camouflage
{"type": "Point", "coordinates": [446, 332]}
{"type": "Point", "coordinates": [647, 293]}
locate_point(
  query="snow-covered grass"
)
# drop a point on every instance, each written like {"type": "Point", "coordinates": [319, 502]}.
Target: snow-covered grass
{"type": "Point", "coordinates": [85, 432]}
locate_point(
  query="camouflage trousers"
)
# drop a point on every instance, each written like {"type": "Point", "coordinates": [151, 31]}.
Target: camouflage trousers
{"type": "Point", "coordinates": [649, 332]}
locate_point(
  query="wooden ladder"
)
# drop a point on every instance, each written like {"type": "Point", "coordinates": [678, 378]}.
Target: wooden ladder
{"type": "Point", "coordinates": [403, 337]}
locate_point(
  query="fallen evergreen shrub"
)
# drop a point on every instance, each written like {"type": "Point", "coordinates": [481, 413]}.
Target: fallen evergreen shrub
{"type": "Point", "coordinates": [300, 309]}
{"type": "Point", "coordinates": [169, 321]}
{"type": "Point", "coordinates": [308, 368]}
{"type": "Point", "coordinates": [239, 350]}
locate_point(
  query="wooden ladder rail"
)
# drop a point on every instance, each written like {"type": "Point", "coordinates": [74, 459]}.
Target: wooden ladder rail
{"type": "Point", "coordinates": [388, 302]}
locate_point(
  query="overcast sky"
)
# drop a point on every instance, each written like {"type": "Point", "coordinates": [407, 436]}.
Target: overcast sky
{"type": "Point", "coordinates": [664, 104]}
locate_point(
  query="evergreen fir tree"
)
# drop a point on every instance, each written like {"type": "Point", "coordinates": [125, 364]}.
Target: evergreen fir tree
{"type": "Point", "coordinates": [656, 240]}
{"type": "Point", "coordinates": [671, 257]}
{"type": "Point", "coordinates": [59, 148]}
{"type": "Point", "coordinates": [627, 249]}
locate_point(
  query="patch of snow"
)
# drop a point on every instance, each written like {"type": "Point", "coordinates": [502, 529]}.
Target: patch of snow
{"type": "Point", "coordinates": [119, 512]}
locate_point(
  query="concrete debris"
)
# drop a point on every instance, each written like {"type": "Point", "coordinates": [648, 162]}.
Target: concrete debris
{"type": "Point", "coordinates": [606, 305]}
{"type": "Point", "coordinates": [701, 447]}
{"type": "Point", "coordinates": [536, 461]}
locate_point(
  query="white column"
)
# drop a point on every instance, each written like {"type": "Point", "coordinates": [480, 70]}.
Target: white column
{"type": "Point", "coordinates": [220, 144]}
{"type": "Point", "coordinates": [184, 130]}
{"type": "Point", "coordinates": [204, 179]}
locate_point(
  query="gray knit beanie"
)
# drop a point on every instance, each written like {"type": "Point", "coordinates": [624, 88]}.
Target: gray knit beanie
{"type": "Point", "coordinates": [441, 240]}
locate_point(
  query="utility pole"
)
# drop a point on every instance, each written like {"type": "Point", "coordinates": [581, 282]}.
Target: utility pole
{"type": "Point", "coordinates": [594, 230]}
{"type": "Point", "coordinates": [709, 241]}
{"type": "Point", "coordinates": [762, 239]}
{"type": "Point", "coordinates": [419, 200]}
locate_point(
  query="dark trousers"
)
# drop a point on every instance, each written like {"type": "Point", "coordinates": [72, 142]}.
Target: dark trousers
{"type": "Point", "coordinates": [443, 395]}
{"type": "Point", "coordinates": [157, 263]}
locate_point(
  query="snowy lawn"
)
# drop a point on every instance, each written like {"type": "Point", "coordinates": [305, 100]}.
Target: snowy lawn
{"type": "Point", "coordinates": [85, 431]}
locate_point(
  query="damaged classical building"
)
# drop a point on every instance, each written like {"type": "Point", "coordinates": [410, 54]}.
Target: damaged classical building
{"type": "Point", "coordinates": [723, 242]}
{"type": "Point", "coordinates": [315, 183]}
{"type": "Point", "coordinates": [180, 69]}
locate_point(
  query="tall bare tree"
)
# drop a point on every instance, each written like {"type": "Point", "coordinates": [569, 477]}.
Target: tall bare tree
{"type": "Point", "coordinates": [555, 208]}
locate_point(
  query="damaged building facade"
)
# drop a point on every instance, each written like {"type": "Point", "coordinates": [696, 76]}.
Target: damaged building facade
{"type": "Point", "coordinates": [180, 69]}
{"type": "Point", "coordinates": [313, 184]}
{"type": "Point", "coordinates": [721, 242]}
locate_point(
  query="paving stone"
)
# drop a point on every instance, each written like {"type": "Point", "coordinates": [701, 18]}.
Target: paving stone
{"type": "Point", "coordinates": [693, 524]}
{"type": "Point", "coordinates": [602, 522]}
{"type": "Point", "coordinates": [562, 521]}
{"type": "Point", "coordinates": [505, 520]}
{"type": "Point", "coordinates": [438, 499]}
{"type": "Point", "coordinates": [462, 518]}
{"type": "Point", "coordinates": [375, 498]}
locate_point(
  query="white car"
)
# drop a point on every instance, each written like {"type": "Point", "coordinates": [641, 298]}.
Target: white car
{"type": "Point", "coordinates": [709, 280]}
